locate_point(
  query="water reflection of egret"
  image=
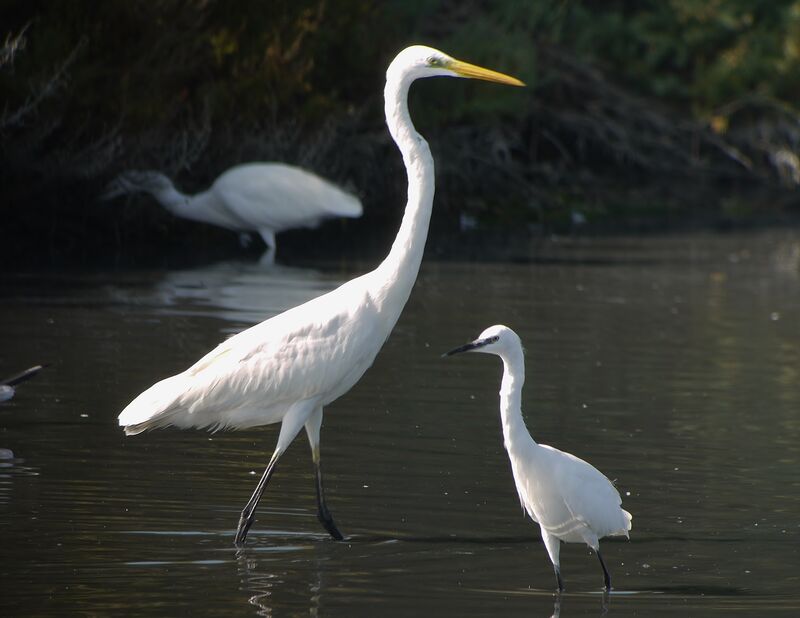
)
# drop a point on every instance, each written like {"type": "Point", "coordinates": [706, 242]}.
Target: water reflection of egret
{"type": "Point", "coordinates": [286, 369]}
{"type": "Point", "coordinates": [260, 197]}
{"type": "Point", "coordinates": [238, 292]}
{"type": "Point", "coordinates": [571, 500]}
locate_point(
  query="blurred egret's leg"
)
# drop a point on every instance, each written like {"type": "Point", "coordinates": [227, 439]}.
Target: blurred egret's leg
{"type": "Point", "coordinates": [268, 257]}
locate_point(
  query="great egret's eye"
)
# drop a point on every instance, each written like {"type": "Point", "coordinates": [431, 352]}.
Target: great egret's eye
{"type": "Point", "coordinates": [433, 61]}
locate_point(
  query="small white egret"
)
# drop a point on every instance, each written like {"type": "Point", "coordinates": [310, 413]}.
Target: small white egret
{"type": "Point", "coordinates": [263, 197]}
{"type": "Point", "coordinates": [286, 369]}
{"type": "Point", "coordinates": [7, 385]}
{"type": "Point", "coordinates": [571, 500]}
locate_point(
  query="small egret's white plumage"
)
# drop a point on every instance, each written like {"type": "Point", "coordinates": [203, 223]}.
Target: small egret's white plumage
{"type": "Point", "coordinates": [260, 197]}
{"type": "Point", "coordinates": [7, 390]}
{"type": "Point", "coordinates": [571, 500]}
{"type": "Point", "coordinates": [289, 367]}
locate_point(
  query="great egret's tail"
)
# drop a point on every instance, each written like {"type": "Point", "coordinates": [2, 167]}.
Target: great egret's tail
{"type": "Point", "coordinates": [155, 407]}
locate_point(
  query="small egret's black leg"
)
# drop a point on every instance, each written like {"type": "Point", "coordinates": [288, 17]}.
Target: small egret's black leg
{"type": "Point", "coordinates": [559, 581]}
{"type": "Point", "coordinates": [323, 514]}
{"type": "Point", "coordinates": [248, 515]}
{"type": "Point", "coordinates": [606, 576]}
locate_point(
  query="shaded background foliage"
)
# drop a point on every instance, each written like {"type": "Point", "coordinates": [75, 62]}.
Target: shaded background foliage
{"type": "Point", "coordinates": [659, 112]}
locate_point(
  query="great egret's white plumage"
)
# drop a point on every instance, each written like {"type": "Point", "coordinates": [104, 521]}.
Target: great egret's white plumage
{"type": "Point", "coordinates": [289, 367]}
{"type": "Point", "coordinates": [267, 198]}
{"type": "Point", "coordinates": [571, 500]}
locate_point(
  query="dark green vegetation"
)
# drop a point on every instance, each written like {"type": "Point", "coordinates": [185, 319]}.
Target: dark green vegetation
{"type": "Point", "coordinates": [637, 112]}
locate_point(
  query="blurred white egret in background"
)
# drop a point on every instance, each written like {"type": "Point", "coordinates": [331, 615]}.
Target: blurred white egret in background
{"type": "Point", "coordinates": [286, 369]}
{"type": "Point", "coordinates": [571, 500]}
{"type": "Point", "coordinates": [7, 385]}
{"type": "Point", "coordinates": [260, 197]}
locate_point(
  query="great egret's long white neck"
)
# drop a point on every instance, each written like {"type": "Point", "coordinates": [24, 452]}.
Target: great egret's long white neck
{"type": "Point", "coordinates": [399, 270]}
{"type": "Point", "coordinates": [511, 398]}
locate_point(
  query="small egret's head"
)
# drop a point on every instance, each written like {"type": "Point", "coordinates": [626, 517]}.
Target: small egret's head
{"type": "Point", "coordinates": [420, 61]}
{"type": "Point", "coordinates": [147, 181]}
{"type": "Point", "coordinates": [134, 181]}
{"type": "Point", "coordinates": [496, 339]}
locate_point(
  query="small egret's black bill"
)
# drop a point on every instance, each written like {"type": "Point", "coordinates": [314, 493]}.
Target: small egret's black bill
{"type": "Point", "coordinates": [22, 377]}
{"type": "Point", "coordinates": [478, 343]}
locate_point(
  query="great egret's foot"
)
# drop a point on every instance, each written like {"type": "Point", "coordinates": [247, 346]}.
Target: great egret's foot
{"type": "Point", "coordinates": [327, 522]}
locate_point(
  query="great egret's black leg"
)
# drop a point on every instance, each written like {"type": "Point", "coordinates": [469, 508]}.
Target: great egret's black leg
{"type": "Point", "coordinates": [606, 576]}
{"type": "Point", "coordinates": [323, 514]}
{"type": "Point", "coordinates": [248, 515]}
{"type": "Point", "coordinates": [313, 425]}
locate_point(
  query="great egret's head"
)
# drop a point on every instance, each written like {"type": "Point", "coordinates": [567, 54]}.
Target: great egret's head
{"type": "Point", "coordinates": [420, 61]}
{"type": "Point", "coordinates": [496, 339]}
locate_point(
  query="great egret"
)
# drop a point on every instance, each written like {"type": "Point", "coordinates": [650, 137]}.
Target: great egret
{"type": "Point", "coordinates": [287, 368]}
{"type": "Point", "coordinates": [571, 500]}
{"type": "Point", "coordinates": [264, 197]}
{"type": "Point", "coordinates": [7, 385]}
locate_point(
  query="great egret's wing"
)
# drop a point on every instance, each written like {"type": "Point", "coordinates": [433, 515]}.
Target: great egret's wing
{"type": "Point", "coordinates": [279, 197]}
{"type": "Point", "coordinates": [264, 369]}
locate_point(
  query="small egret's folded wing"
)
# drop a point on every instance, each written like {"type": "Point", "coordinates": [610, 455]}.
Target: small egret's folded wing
{"type": "Point", "coordinates": [573, 500]}
{"type": "Point", "coordinates": [583, 501]}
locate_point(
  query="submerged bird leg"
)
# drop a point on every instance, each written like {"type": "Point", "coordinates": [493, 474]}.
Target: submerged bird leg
{"type": "Point", "coordinates": [313, 425]}
{"type": "Point", "coordinates": [248, 515]}
{"type": "Point", "coordinates": [606, 576]}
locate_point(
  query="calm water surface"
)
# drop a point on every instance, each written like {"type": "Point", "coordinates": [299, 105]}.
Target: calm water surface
{"type": "Point", "coordinates": [672, 364]}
